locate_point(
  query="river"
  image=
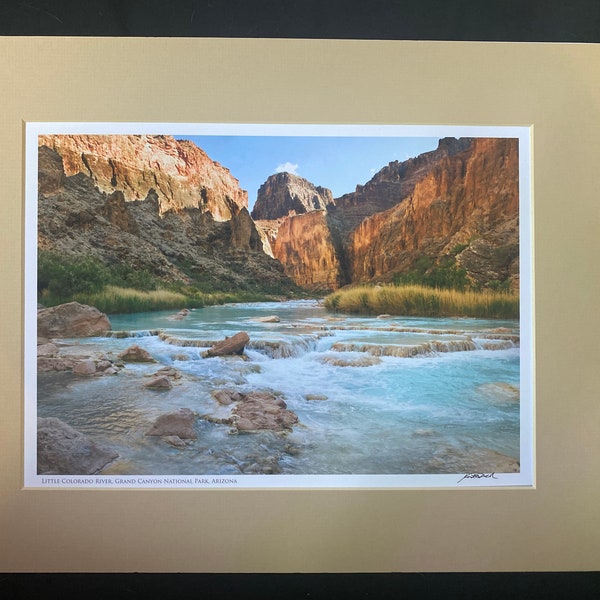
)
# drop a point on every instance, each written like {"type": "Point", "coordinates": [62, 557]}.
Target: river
{"type": "Point", "coordinates": [373, 395]}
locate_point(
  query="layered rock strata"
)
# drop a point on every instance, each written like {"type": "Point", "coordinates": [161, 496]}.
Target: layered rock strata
{"type": "Point", "coordinates": [180, 174]}
{"type": "Point", "coordinates": [174, 240]}
{"type": "Point", "coordinates": [466, 206]}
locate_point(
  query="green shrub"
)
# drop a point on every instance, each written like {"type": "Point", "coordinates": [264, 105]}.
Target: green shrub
{"type": "Point", "coordinates": [65, 277]}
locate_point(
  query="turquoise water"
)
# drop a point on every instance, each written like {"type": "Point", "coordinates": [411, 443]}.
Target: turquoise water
{"type": "Point", "coordinates": [363, 406]}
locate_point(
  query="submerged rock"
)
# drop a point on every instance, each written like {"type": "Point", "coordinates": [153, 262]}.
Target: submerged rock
{"type": "Point", "coordinates": [63, 450]}
{"type": "Point", "coordinates": [269, 319]}
{"type": "Point", "coordinates": [226, 397]}
{"type": "Point", "coordinates": [312, 397]}
{"type": "Point", "coordinates": [179, 423]}
{"type": "Point", "coordinates": [71, 320]}
{"type": "Point", "coordinates": [361, 361]}
{"type": "Point", "coordinates": [159, 383]}
{"type": "Point", "coordinates": [500, 392]}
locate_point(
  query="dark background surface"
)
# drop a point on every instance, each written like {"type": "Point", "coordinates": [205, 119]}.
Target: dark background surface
{"type": "Point", "coordinates": [490, 20]}
{"type": "Point", "coordinates": [446, 20]}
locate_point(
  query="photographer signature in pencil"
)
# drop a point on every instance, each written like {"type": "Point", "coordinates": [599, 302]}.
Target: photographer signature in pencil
{"type": "Point", "coordinates": [478, 476]}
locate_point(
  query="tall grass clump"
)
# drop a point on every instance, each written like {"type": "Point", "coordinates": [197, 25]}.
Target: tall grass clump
{"type": "Point", "coordinates": [113, 299]}
{"type": "Point", "coordinates": [423, 301]}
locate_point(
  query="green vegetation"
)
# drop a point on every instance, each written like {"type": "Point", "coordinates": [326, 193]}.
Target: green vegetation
{"type": "Point", "coordinates": [121, 289]}
{"type": "Point", "coordinates": [418, 300]}
{"type": "Point", "coordinates": [446, 275]}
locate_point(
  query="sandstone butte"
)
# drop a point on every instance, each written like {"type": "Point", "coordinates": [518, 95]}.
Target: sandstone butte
{"type": "Point", "coordinates": [181, 174]}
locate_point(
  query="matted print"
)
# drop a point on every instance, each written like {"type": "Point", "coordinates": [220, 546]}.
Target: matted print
{"type": "Point", "coordinates": [286, 306]}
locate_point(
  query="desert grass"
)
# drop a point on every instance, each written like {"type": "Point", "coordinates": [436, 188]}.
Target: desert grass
{"type": "Point", "coordinates": [416, 300]}
{"type": "Point", "coordinates": [113, 299]}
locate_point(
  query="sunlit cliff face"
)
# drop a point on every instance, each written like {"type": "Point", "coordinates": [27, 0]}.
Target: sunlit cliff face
{"type": "Point", "coordinates": [181, 174]}
{"type": "Point", "coordinates": [305, 247]}
{"type": "Point", "coordinates": [470, 199]}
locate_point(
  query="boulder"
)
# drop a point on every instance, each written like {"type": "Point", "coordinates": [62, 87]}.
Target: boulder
{"type": "Point", "coordinates": [179, 423]}
{"type": "Point", "coordinates": [65, 451]}
{"type": "Point", "coordinates": [136, 354]}
{"type": "Point", "coordinates": [230, 345]}
{"type": "Point", "coordinates": [226, 397]}
{"type": "Point", "coordinates": [159, 383]}
{"type": "Point", "coordinates": [269, 319]}
{"type": "Point", "coordinates": [168, 372]}
{"type": "Point", "coordinates": [71, 320]}
{"type": "Point", "coordinates": [262, 410]}
{"type": "Point", "coordinates": [85, 367]}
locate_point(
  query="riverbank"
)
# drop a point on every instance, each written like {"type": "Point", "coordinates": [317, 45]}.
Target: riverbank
{"type": "Point", "coordinates": [121, 300]}
{"type": "Point", "coordinates": [421, 301]}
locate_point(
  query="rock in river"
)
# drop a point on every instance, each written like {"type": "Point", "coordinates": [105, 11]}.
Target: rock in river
{"type": "Point", "coordinates": [262, 410]}
{"type": "Point", "coordinates": [65, 451]}
{"type": "Point", "coordinates": [71, 320]}
{"type": "Point", "coordinates": [179, 423]}
{"type": "Point", "coordinates": [230, 345]}
{"type": "Point", "coordinates": [136, 354]}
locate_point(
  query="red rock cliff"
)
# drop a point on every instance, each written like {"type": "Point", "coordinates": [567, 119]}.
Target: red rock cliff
{"type": "Point", "coordinates": [306, 249]}
{"type": "Point", "coordinates": [181, 174]}
{"type": "Point", "coordinates": [468, 201]}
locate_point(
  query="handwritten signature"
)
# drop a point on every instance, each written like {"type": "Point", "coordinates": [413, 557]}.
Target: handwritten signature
{"type": "Point", "coordinates": [478, 476]}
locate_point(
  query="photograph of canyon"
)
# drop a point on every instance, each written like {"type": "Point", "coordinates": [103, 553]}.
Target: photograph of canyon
{"type": "Point", "coordinates": [221, 309]}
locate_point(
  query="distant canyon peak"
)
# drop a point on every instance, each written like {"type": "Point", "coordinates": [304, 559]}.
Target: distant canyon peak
{"type": "Point", "coordinates": [285, 194]}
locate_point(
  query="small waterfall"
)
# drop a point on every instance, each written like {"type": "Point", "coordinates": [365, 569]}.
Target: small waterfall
{"type": "Point", "coordinates": [428, 348]}
{"type": "Point", "coordinates": [133, 334]}
{"type": "Point", "coordinates": [289, 349]}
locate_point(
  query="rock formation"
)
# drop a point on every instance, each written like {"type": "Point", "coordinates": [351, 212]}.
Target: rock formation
{"type": "Point", "coordinates": [180, 174]}
{"type": "Point", "coordinates": [455, 206]}
{"type": "Point", "coordinates": [65, 451]}
{"type": "Point", "coordinates": [466, 206]}
{"type": "Point", "coordinates": [71, 320]}
{"type": "Point", "coordinates": [286, 194]}
{"type": "Point", "coordinates": [208, 239]}
{"type": "Point", "coordinates": [306, 248]}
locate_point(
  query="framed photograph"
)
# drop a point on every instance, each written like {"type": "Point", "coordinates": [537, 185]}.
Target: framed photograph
{"type": "Point", "coordinates": [286, 410]}
{"type": "Point", "coordinates": [202, 315]}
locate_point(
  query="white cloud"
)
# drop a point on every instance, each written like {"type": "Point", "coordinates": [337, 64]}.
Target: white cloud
{"type": "Point", "coordinates": [287, 167]}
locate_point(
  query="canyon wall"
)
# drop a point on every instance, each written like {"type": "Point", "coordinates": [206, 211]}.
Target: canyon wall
{"type": "Point", "coordinates": [180, 174]}
{"type": "Point", "coordinates": [457, 205]}
{"type": "Point", "coordinates": [466, 208]}
{"type": "Point", "coordinates": [305, 247]}
{"type": "Point", "coordinates": [174, 239]}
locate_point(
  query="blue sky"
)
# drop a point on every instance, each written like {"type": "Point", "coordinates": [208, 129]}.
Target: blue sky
{"type": "Point", "coordinates": [337, 163]}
